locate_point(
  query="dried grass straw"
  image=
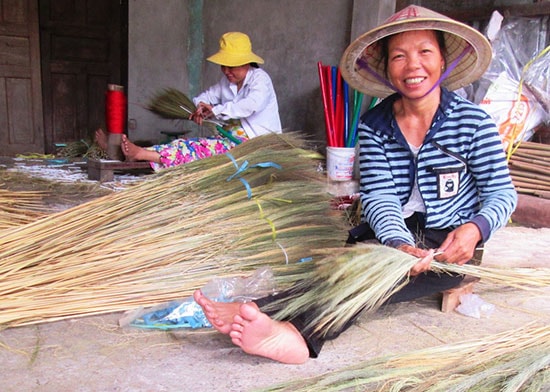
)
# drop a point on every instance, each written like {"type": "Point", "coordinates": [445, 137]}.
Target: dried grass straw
{"type": "Point", "coordinates": [172, 103]}
{"type": "Point", "coordinates": [20, 207]}
{"type": "Point", "coordinates": [85, 148]}
{"type": "Point", "coordinates": [516, 360]}
{"type": "Point", "coordinates": [333, 288]}
{"type": "Point", "coordinates": [162, 238]}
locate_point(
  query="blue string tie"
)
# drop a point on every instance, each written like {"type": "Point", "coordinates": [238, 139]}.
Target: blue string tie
{"type": "Point", "coordinates": [244, 167]}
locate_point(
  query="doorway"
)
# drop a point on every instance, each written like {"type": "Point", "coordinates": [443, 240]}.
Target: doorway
{"type": "Point", "coordinates": [83, 48]}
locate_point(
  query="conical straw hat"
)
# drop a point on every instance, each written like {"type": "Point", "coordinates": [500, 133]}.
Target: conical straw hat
{"type": "Point", "coordinates": [362, 58]}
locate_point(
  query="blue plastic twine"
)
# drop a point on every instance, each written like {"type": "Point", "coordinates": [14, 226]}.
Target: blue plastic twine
{"type": "Point", "coordinates": [245, 166]}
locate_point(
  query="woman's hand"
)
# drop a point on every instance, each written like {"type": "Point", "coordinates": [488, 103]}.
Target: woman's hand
{"type": "Point", "coordinates": [203, 111]}
{"type": "Point", "coordinates": [425, 255]}
{"type": "Point", "coordinates": [460, 245]}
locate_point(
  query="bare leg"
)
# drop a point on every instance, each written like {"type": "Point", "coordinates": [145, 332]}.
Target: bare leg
{"type": "Point", "coordinates": [133, 152]}
{"type": "Point", "coordinates": [220, 314]}
{"type": "Point", "coordinates": [257, 334]}
{"type": "Point", "coordinates": [101, 139]}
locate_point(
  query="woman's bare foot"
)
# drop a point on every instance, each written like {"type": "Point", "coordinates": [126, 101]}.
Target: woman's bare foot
{"type": "Point", "coordinates": [257, 334]}
{"type": "Point", "coordinates": [101, 139]}
{"type": "Point", "coordinates": [220, 314]}
{"type": "Point", "coordinates": [133, 152]}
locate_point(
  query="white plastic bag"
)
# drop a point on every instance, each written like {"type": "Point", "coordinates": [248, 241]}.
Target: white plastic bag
{"type": "Point", "coordinates": [241, 289]}
{"type": "Point", "coordinates": [187, 313]}
{"type": "Point", "coordinates": [516, 115]}
{"type": "Point", "coordinates": [472, 305]}
{"type": "Point", "coordinates": [514, 88]}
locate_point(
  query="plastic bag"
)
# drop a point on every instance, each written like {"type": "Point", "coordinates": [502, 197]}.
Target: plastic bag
{"type": "Point", "coordinates": [516, 115]}
{"type": "Point", "coordinates": [188, 314]}
{"type": "Point", "coordinates": [177, 314]}
{"type": "Point", "coordinates": [473, 306]}
{"type": "Point", "coordinates": [511, 89]}
{"type": "Point", "coordinates": [241, 289]}
{"type": "Point", "coordinates": [537, 79]}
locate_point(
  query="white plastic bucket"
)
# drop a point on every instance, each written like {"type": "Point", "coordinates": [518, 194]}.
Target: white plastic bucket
{"type": "Point", "coordinates": [340, 163]}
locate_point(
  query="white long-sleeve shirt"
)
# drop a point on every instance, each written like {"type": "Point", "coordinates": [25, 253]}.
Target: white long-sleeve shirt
{"type": "Point", "coordinates": [255, 104]}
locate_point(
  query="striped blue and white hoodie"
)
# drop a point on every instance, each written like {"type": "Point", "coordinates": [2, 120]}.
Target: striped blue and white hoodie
{"type": "Point", "coordinates": [463, 140]}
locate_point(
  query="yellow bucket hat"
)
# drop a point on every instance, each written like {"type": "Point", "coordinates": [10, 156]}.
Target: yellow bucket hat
{"type": "Point", "coordinates": [235, 50]}
{"type": "Point", "coordinates": [468, 51]}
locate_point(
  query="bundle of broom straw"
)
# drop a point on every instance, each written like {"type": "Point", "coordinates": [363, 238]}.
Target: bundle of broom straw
{"type": "Point", "coordinates": [162, 238]}
{"type": "Point", "coordinates": [223, 216]}
{"type": "Point", "coordinates": [172, 103]}
{"type": "Point", "coordinates": [516, 360]}
{"type": "Point", "coordinates": [332, 289]}
{"type": "Point", "coordinates": [19, 207]}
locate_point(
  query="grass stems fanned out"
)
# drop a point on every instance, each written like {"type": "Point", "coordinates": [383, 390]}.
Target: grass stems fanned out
{"type": "Point", "coordinates": [223, 216]}
{"type": "Point", "coordinates": [345, 281]}
{"type": "Point", "coordinates": [166, 236]}
{"type": "Point", "coordinates": [20, 207]}
{"type": "Point", "coordinates": [339, 283]}
{"type": "Point", "coordinates": [172, 103]}
{"type": "Point", "coordinates": [512, 361]}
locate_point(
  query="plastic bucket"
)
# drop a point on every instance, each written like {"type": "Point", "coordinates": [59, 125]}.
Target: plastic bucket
{"type": "Point", "coordinates": [340, 163]}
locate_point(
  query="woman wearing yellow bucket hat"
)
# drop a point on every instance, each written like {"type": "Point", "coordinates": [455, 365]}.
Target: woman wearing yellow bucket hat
{"type": "Point", "coordinates": [244, 99]}
{"type": "Point", "coordinates": [434, 178]}
{"type": "Point", "coordinates": [245, 92]}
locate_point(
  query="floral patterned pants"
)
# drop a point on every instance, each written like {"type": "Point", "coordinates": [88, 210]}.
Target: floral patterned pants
{"type": "Point", "coordinates": [181, 151]}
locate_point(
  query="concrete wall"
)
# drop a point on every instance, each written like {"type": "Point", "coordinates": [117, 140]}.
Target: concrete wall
{"type": "Point", "coordinates": [169, 40]}
{"type": "Point", "coordinates": [157, 54]}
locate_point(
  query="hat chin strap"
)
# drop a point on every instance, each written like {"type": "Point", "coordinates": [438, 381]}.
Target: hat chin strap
{"type": "Point", "coordinates": [364, 65]}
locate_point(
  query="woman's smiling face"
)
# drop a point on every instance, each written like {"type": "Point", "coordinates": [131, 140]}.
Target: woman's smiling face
{"type": "Point", "coordinates": [415, 62]}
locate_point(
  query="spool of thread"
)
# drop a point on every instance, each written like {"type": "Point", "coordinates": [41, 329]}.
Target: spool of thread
{"type": "Point", "coordinates": [115, 119]}
{"type": "Point", "coordinates": [115, 109]}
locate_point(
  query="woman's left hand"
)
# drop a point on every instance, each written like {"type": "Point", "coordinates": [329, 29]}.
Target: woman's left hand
{"type": "Point", "coordinates": [460, 244]}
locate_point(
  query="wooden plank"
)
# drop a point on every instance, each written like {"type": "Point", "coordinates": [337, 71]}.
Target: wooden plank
{"type": "Point", "coordinates": [451, 298]}
{"type": "Point", "coordinates": [103, 170]}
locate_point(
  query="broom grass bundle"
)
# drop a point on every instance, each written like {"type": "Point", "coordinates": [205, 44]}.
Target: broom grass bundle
{"type": "Point", "coordinates": [335, 288]}
{"type": "Point", "coordinates": [162, 238]}
{"type": "Point", "coordinates": [20, 207]}
{"type": "Point", "coordinates": [85, 148]}
{"type": "Point", "coordinates": [519, 278]}
{"type": "Point", "coordinates": [20, 181]}
{"type": "Point", "coordinates": [172, 103]}
{"type": "Point", "coordinates": [516, 360]}
{"type": "Point", "coordinates": [346, 281]}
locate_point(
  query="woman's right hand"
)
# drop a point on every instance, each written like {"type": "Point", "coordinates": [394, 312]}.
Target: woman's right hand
{"type": "Point", "coordinates": [426, 256]}
{"type": "Point", "coordinates": [203, 111]}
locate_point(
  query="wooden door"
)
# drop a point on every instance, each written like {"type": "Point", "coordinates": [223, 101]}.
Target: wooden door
{"type": "Point", "coordinates": [21, 129]}
{"type": "Point", "coordinates": [82, 50]}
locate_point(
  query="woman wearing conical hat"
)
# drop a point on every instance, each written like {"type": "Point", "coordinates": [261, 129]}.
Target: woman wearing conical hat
{"type": "Point", "coordinates": [244, 98]}
{"type": "Point", "coordinates": [434, 178]}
